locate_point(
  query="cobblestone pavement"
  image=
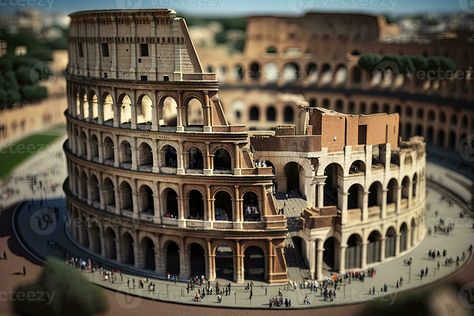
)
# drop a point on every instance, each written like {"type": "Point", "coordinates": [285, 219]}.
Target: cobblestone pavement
{"type": "Point", "coordinates": [50, 166]}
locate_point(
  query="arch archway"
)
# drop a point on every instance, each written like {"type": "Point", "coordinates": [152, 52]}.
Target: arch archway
{"type": "Point", "coordinates": [148, 254]}
{"type": "Point", "coordinates": [222, 161]}
{"type": "Point", "coordinates": [332, 172]}
{"type": "Point", "coordinates": [110, 244]}
{"type": "Point", "coordinates": [254, 73]}
{"type": "Point", "coordinates": [291, 72]}
{"type": "Point", "coordinates": [357, 166]}
{"type": "Point", "coordinates": [271, 113]}
{"type": "Point", "coordinates": [224, 262]}
{"type": "Point", "coordinates": [195, 113]}
{"type": "Point", "coordinates": [254, 263]}
{"type": "Point", "coordinates": [355, 197]}
{"type": "Point", "coordinates": [109, 154]}
{"type": "Point", "coordinates": [94, 147]}
{"type": "Point", "coordinates": [197, 260]}
{"type": "Point", "coordinates": [354, 252]}
{"type": "Point", "coordinates": [170, 157]}
{"type": "Point", "coordinates": [412, 232]}
{"type": "Point", "coordinates": [128, 253]}
{"type": "Point", "coordinates": [94, 189]}
{"type": "Point", "coordinates": [392, 191]}
{"type": "Point", "coordinates": [293, 178]}
{"type": "Point", "coordinates": [288, 114]}
{"type": "Point", "coordinates": [254, 113]}
{"type": "Point", "coordinates": [108, 190]}
{"type": "Point", "coordinates": [108, 108]}
{"type": "Point", "coordinates": [169, 112]}
{"type": "Point", "coordinates": [195, 205]}
{"type": "Point", "coordinates": [223, 206]}
{"type": "Point", "coordinates": [340, 76]}
{"type": "Point", "coordinates": [330, 250]}
{"type": "Point", "coordinates": [405, 187]}
{"type": "Point", "coordinates": [195, 159]}
{"type": "Point", "coordinates": [403, 237]}
{"type": "Point", "coordinates": [125, 153]}
{"type": "Point", "coordinates": [144, 110]}
{"type": "Point", "coordinates": [126, 196]}
{"type": "Point", "coordinates": [270, 72]}
{"type": "Point", "coordinates": [374, 247]}
{"type": "Point", "coordinates": [172, 258]}
{"type": "Point", "coordinates": [390, 242]}
{"type": "Point", "coordinates": [125, 106]}
{"type": "Point", "coordinates": [311, 73]}
{"type": "Point", "coordinates": [95, 241]}
{"type": "Point", "coordinates": [251, 207]}
{"type": "Point", "coordinates": [144, 156]}
{"type": "Point", "coordinates": [375, 194]}
{"type": "Point", "coordinates": [146, 201]}
{"type": "Point", "coordinates": [170, 199]}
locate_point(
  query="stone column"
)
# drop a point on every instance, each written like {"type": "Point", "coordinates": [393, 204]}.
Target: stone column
{"type": "Point", "coordinates": [319, 259]}
{"type": "Point", "coordinates": [133, 146]}
{"type": "Point", "coordinates": [211, 267]}
{"type": "Point", "coordinates": [133, 105]}
{"type": "Point", "coordinates": [180, 169]}
{"type": "Point", "coordinates": [397, 244]}
{"type": "Point", "coordinates": [320, 188]}
{"type": "Point", "coordinates": [136, 252]}
{"type": "Point", "coordinates": [342, 198]}
{"type": "Point", "coordinates": [179, 119]}
{"type": "Point", "coordinates": [239, 263]}
{"type": "Point", "coordinates": [364, 255]}
{"type": "Point", "coordinates": [157, 204]}
{"type": "Point", "coordinates": [207, 160]}
{"type": "Point", "coordinates": [237, 214]}
{"type": "Point", "coordinates": [382, 249]}
{"type": "Point", "coordinates": [270, 258]}
{"type": "Point", "coordinates": [184, 264]}
{"type": "Point", "coordinates": [311, 253]}
{"type": "Point", "coordinates": [118, 249]}
{"type": "Point", "coordinates": [135, 199]}
{"type": "Point", "coordinates": [161, 263]}
{"type": "Point", "coordinates": [207, 114]}
{"type": "Point", "coordinates": [208, 214]}
{"type": "Point", "coordinates": [117, 109]}
{"type": "Point", "coordinates": [100, 109]}
{"type": "Point", "coordinates": [237, 167]}
{"type": "Point", "coordinates": [342, 258]}
{"type": "Point", "coordinates": [116, 151]}
{"type": "Point", "coordinates": [365, 205]}
{"type": "Point", "coordinates": [399, 199]}
{"type": "Point", "coordinates": [384, 203]}
{"type": "Point", "coordinates": [102, 241]}
{"type": "Point", "coordinates": [181, 216]}
{"type": "Point", "coordinates": [410, 192]}
{"type": "Point", "coordinates": [118, 206]}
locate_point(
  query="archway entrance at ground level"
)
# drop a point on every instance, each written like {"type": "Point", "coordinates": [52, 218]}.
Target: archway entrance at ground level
{"type": "Point", "coordinates": [354, 252]}
{"type": "Point", "coordinates": [148, 249]}
{"type": "Point", "coordinates": [172, 258]}
{"type": "Point", "coordinates": [329, 254]}
{"type": "Point", "coordinates": [254, 264]}
{"type": "Point", "coordinates": [224, 262]}
{"type": "Point", "coordinates": [198, 262]}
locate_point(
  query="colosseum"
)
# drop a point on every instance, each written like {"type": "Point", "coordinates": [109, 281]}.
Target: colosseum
{"type": "Point", "coordinates": [160, 180]}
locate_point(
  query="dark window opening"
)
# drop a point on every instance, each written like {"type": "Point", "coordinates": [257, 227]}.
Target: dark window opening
{"type": "Point", "coordinates": [144, 50]}
{"type": "Point", "coordinates": [105, 49]}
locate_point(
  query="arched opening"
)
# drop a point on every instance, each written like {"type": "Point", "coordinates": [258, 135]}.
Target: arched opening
{"type": "Point", "coordinates": [357, 166]}
{"type": "Point", "coordinates": [441, 138]}
{"type": "Point", "coordinates": [339, 106]}
{"type": "Point", "coordinates": [238, 72]}
{"type": "Point", "coordinates": [412, 232]}
{"type": "Point", "coordinates": [223, 206]}
{"type": "Point", "coordinates": [355, 197]}
{"type": "Point", "coordinates": [171, 203]}
{"type": "Point", "coordinates": [169, 112]}
{"type": "Point", "coordinates": [311, 73]}
{"type": "Point", "coordinates": [147, 204]}
{"type": "Point", "coordinates": [172, 258]}
{"type": "Point", "coordinates": [197, 260]}
{"type": "Point", "coordinates": [270, 72]}
{"type": "Point", "coordinates": [222, 161]}
{"type": "Point", "coordinates": [254, 113]}
{"type": "Point", "coordinates": [83, 144]}
{"type": "Point", "coordinates": [94, 147]}
{"type": "Point", "coordinates": [403, 237]}
{"type": "Point", "coordinates": [83, 187]}
{"type": "Point", "coordinates": [251, 207]}
{"type": "Point", "coordinates": [374, 108]}
{"type": "Point", "coordinates": [108, 190]}
{"type": "Point", "coordinates": [356, 75]}
{"type": "Point", "coordinates": [375, 194]}
{"type": "Point", "coordinates": [145, 156]}
{"type": "Point", "coordinates": [373, 247]}
{"type": "Point", "coordinates": [109, 155]}
{"type": "Point", "coordinates": [354, 252]}
{"type": "Point", "coordinates": [271, 50]}
{"type": "Point", "coordinates": [224, 262]}
{"type": "Point", "coordinates": [195, 161]}
{"type": "Point", "coordinates": [94, 189]}
{"type": "Point", "coordinates": [110, 244]}
{"type": "Point", "coordinates": [127, 249]}
{"type": "Point", "coordinates": [125, 153]}
{"type": "Point", "coordinates": [291, 72]}
{"type": "Point", "coordinates": [362, 108]}
{"type": "Point", "coordinates": [109, 110]}
{"type": "Point", "coordinates": [352, 107]}
{"type": "Point", "coordinates": [288, 114]}
{"type": "Point", "coordinates": [293, 179]}
{"type": "Point", "coordinates": [254, 263]}
{"type": "Point", "coordinates": [271, 113]}
{"type": "Point", "coordinates": [326, 75]}
{"type": "Point", "coordinates": [170, 157]}
{"type": "Point", "coordinates": [392, 191]}
{"type": "Point", "coordinates": [195, 113]}
{"type": "Point", "coordinates": [126, 196]}
{"type": "Point", "coordinates": [95, 242]}
{"type": "Point", "coordinates": [430, 134]}
{"type": "Point", "coordinates": [452, 140]}
{"type": "Point", "coordinates": [329, 255]}
{"type": "Point", "coordinates": [144, 111]}
{"type": "Point", "coordinates": [125, 109]}
{"type": "Point", "coordinates": [148, 254]}
{"type": "Point", "coordinates": [84, 232]}
{"type": "Point", "coordinates": [390, 242]}
{"type": "Point", "coordinates": [405, 187]}
{"type": "Point", "coordinates": [195, 205]}
{"type": "Point", "coordinates": [254, 71]}
{"type": "Point", "coordinates": [414, 184]}
{"type": "Point", "coordinates": [313, 103]}
{"type": "Point", "coordinates": [332, 172]}
{"type": "Point", "coordinates": [326, 103]}
{"type": "Point", "coordinates": [340, 76]}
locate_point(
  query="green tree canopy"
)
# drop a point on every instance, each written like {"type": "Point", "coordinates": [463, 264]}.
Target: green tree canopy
{"type": "Point", "coordinates": [66, 292]}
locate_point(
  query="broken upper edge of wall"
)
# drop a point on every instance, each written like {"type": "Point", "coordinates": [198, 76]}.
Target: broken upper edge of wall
{"type": "Point", "coordinates": [160, 12]}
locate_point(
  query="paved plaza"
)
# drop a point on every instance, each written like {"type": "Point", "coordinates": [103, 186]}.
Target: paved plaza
{"type": "Point", "coordinates": [38, 238]}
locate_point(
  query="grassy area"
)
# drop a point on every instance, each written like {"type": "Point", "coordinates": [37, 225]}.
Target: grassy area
{"type": "Point", "coordinates": [14, 154]}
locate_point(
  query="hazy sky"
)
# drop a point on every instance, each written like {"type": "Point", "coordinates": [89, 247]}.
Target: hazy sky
{"type": "Point", "coordinates": [244, 7]}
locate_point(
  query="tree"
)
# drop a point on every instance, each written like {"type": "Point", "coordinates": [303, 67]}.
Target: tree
{"type": "Point", "coordinates": [369, 61]}
{"type": "Point", "coordinates": [65, 292]}
{"type": "Point", "coordinates": [34, 92]}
